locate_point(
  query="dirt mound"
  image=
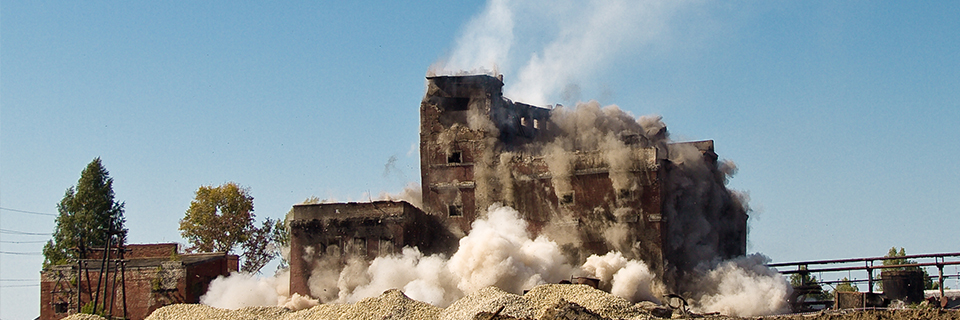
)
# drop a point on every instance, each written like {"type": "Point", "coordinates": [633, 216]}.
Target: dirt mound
{"type": "Point", "coordinates": [545, 302]}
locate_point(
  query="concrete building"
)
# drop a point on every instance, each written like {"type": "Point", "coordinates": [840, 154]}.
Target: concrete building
{"type": "Point", "coordinates": [149, 276]}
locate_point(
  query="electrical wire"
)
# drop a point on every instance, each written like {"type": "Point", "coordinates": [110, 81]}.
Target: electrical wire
{"type": "Point", "coordinates": [19, 285]}
{"type": "Point", "coordinates": [29, 212]}
{"type": "Point", "coordinates": [8, 231]}
{"type": "Point", "coordinates": [23, 242]}
{"type": "Point", "coordinates": [21, 253]}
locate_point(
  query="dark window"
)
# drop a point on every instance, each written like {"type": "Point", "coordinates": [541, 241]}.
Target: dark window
{"type": "Point", "coordinates": [60, 307]}
{"type": "Point", "coordinates": [566, 199]}
{"type": "Point", "coordinates": [455, 210]}
{"type": "Point", "coordinates": [455, 157]}
{"type": "Point", "coordinates": [455, 104]}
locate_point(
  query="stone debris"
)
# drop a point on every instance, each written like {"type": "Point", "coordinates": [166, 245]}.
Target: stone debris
{"type": "Point", "coordinates": [83, 316]}
{"type": "Point", "coordinates": [545, 302]}
{"type": "Point", "coordinates": [569, 311]}
{"type": "Point", "coordinates": [604, 304]}
{"type": "Point", "coordinates": [488, 300]}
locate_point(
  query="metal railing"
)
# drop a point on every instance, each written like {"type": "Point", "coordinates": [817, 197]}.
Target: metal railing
{"type": "Point", "coordinates": [940, 260]}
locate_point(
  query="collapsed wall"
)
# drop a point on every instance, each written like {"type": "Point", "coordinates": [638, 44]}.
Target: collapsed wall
{"type": "Point", "coordinates": [340, 231]}
{"type": "Point", "coordinates": [593, 179]}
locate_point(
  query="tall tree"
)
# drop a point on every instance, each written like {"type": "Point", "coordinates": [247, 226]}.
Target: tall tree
{"type": "Point", "coordinates": [259, 249]}
{"type": "Point", "coordinates": [88, 215]}
{"type": "Point", "coordinates": [219, 218]}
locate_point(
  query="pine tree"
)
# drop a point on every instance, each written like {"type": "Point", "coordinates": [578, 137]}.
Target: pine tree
{"type": "Point", "coordinates": [88, 216]}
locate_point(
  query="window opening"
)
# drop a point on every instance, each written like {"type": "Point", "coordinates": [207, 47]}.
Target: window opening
{"type": "Point", "coordinates": [523, 121]}
{"type": "Point", "coordinates": [566, 199]}
{"type": "Point", "coordinates": [536, 124]}
{"type": "Point", "coordinates": [455, 157]}
{"type": "Point", "coordinates": [455, 210]}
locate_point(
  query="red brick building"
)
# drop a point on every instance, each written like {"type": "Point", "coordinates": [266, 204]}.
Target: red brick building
{"type": "Point", "coordinates": [148, 277]}
{"type": "Point", "coordinates": [368, 229]}
{"type": "Point", "coordinates": [639, 197]}
{"type": "Point", "coordinates": [617, 185]}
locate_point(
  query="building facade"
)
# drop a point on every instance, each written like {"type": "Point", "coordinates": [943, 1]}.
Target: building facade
{"type": "Point", "coordinates": [132, 285]}
{"type": "Point", "coordinates": [367, 230]}
{"type": "Point", "coordinates": [592, 179]}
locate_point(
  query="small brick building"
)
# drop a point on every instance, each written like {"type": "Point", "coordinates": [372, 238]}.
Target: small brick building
{"type": "Point", "coordinates": [148, 277]}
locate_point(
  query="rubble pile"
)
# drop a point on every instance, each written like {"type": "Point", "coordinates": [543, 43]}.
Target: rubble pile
{"type": "Point", "coordinates": [543, 302]}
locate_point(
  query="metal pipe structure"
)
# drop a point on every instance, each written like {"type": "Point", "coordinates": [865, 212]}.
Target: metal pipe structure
{"type": "Point", "coordinates": [868, 266]}
{"type": "Point", "coordinates": [871, 267]}
{"type": "Point", "coordinates": [916, 256]}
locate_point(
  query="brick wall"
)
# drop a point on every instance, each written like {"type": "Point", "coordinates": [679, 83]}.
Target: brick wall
{"type": "Point", "coordinates": [150, 281]}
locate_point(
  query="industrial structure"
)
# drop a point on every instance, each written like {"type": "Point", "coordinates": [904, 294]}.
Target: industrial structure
{"type": "Point", "coordinates": [593, 180]}
{"type": "Point", "coordinates": [129, 281]}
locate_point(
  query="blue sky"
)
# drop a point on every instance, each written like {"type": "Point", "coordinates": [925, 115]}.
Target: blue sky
{"type": "Point", "coordinates": [842, 117]}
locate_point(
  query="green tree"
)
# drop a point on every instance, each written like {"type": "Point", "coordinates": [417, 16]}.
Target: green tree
{"type": "Point", "coordinates": [88, 215]}
{"type": "Point", "coordinates": [846, 286]}
{"type": "Point", "coordinates": [219, 218]}
{"type": "Point", "coordinates": [808, 285]}
{"type": "Point", "coordinates": [259, 249]}
{"type": "Point", "coordinates": [892, 253]}
{"type": "Point", "coordinates": [281, 240]}
{"type": "Point", "coordinates": [928, 283]}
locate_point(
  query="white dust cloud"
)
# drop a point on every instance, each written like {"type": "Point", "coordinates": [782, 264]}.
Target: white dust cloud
{"type": "Point", "coordinates": [550, 46]}
{"type": "Point", "coordinates": [499, 252]}
{"type": "Point", "coordinates": [744, 287]}
{"type": "Point", "coordinates": [246, 290]}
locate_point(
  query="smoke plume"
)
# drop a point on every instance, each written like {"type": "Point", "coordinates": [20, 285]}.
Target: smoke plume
{"type": "Point", "coordinates": [242, 289]}
{"type": "Point", "coordinates": [744, 287]}
{"type": "Point", "coordinates": [553, 45]}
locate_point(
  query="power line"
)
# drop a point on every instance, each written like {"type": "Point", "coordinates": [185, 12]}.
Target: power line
{"type": "Point", "coordinates": [29, 212]}
{"type": "Point", "coordinates": [19, 280]}
{"type": "Point", "coordinates": [22, 242]}
{"type": "Point", "coordinates": [8, 231]}
{"type": "Point", "coordinates": [21, 253]}
{"type": "Point", "coordinates": [19, 285]}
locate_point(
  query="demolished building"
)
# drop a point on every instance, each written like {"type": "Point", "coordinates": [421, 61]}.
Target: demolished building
{"type": "Point", "coordinates": [592, 179]}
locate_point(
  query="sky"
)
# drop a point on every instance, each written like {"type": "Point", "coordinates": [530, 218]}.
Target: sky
{"type": "Point", "coordinates": [841, 117]}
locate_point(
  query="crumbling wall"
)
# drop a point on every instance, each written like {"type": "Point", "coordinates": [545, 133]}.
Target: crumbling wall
{"type": "Point", "coordinates": [594, 179]}
{"type": "Point", "coordinates": [341, 231]}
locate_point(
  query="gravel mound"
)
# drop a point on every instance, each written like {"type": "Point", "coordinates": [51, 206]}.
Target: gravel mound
{"type": "Point", "coordinates": [199, 311]}
{"type": "Point", "coordinates": [543, 302]}
{"type": "Point", "coordinates": [83, 316]}
{"type": "Point", "coordinates": [597, 301]}
{"type": "Point", "coordinates": [392, 304]}
{"type": "Point", "coordinates": [489, 300]}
